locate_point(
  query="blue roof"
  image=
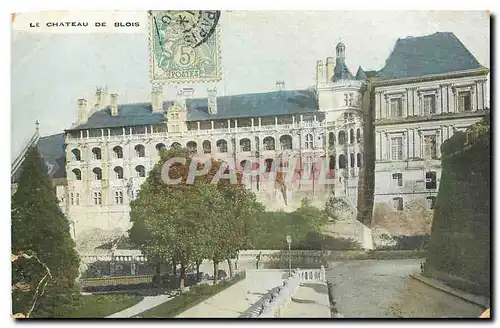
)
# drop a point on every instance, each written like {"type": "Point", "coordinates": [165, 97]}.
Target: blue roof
{"type": "Point", "coordinates": [245, 105]}
{"type": "Point", "coordinates": [361, 75]}
{"type": "Point", "coordinates": [439, 53]}
{"type": "Point", "coordinates": [341, 72]}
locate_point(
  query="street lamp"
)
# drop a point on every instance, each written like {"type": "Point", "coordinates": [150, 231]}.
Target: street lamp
{"type": "Point", "coordinates": [289, 241]}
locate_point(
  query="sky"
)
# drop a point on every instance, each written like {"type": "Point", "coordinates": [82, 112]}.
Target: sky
{"type": "Point", "coordinates": [50, 72]}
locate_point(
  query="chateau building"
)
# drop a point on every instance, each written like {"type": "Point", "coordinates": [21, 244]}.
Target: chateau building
{"type": "Point", "coordinates": [421, 97]}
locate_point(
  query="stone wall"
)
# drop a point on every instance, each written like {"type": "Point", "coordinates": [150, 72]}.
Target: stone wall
{"type": "Point", "coordinates": [460, 240]}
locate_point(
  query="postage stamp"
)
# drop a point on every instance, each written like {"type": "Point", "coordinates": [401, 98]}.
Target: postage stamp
{"type": "Point", "coordinates": [184, 46]}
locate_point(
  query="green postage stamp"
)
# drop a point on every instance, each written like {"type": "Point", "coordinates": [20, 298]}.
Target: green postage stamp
{"type": "Point", "coordinates": [184, 46]}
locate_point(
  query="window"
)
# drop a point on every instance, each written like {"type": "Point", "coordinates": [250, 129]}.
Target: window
{"type": "Point", "coordinates": [269, 143]}
{"type": "Point", "coordinates": [97, 198]}
{"type": "Point", "coordinates": [346, 115]}
{"type": "Point", "coordinates": [78, 174]}
{"type": "Point", "coordinates": [397, 203]}
{"type": "Point", "coordinates": [76, 155]}
{"type": "Point", "coordinates": [396, 107]}
{"type": "Point", "coordinates": [464, 101]}
{"type": "Point", "coordinates": [331, 139]}
{"type": "Point", "coordinates": [358, 135]}
{"type": "Point", "coordinates": [429, 104]}
{"type": "Point", "coordinates": [352, 159]}
{"type": "Point", "coordinates": [398, 179]}
{"type": "Point", "coordinates": [118, 152]}
{"type": "Point", "coordinates": [175, 116]}
{"type": "Point", "coordinates": [342, 138]}
{"type": "Point", "coordinates": [430, 147]}
{"type": "Point", "coordinates": [175, 145]}
{"type": "Point", "coordinates": [96, 153]}
{"type": "Point", "coordinates": [346, 101]}
{"type": "Point", "coordinates": [141, 171]}
{"type": "Point", "coordinates": [97, 173]}
{"type": "Point", "coordinates": [286, 142]}
{"type": "Point", "coordinates": [342, 161]}
{"type": "Point", "coordinates": [192, 146]}
{"type": "Point", "coordinates": [140, 151]}
{"type": "Point", "coordinates": [175, 128]}
{"type": "Point", "coordinates": [359, 158]}
{"type": "Point", "coordinates": [431, 202]}
{"type": "Point", "coordinates": [351, 135]}
{"type": "Point", "coordinates": [118, 197]}
{"type": "Point", "coordinates": [430, 180]}
{"type": "Point", "coordinates": [207, 147]}
{"type": "Point", "coordinates": [245, 145]}
{"type": "Point", "coordinates": [222, 146]}
{"type": "Point", "coordinates": [351, 99]}
{"type": "Point", "coordinates": [77, 198]}
{"type": "Point", "coordinates": [118, 172]}
{"type": "Point", "coordinates": [72, 197]}
{"type": "Point", "coordinates": [159, 147]}
{"type": "Point", "coordinates": [397, 148]}
{"type": "Point", "coordinates": [309, 141]}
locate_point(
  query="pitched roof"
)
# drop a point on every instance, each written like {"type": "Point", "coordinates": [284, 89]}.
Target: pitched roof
{"type": "Point", "coordinates": [361, 75]}
{"type": "Point", "coordinates": [245, 105]}
{"type": "Point", "coordinates": [438, 53]}
{"type": "Point", "coordinates": [341, 72]}
{"type": "Point", "coordinates": [52, 151]}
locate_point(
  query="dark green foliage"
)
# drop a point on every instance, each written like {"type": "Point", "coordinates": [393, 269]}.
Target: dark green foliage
{"type": "Point", "coordinates": [460, 237]}
{"type": "Point", "coordinates": [407, 242]}
{"type": "Point", "coordinates": [39, 227]}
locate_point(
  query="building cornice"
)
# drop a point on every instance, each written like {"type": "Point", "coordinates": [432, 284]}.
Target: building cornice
{"type": "Point", "coordinates": [433, 77]}
{"type": "Point", "coordinates": [415, 119]}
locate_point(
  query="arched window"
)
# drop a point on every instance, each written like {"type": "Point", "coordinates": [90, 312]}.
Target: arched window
{"type": "Point", "coordinates": [118, 172]}
{"type": "Point", "coordinates": [358, 135]}
{"type": "Point", "coordinates": [351, 135]}
{"type": "Point", "coordinates": [342, 161]}
{"type": "Point", "coordinates": [352, 159]}
{"type": "Point", "coordinates": [245, 145]}
{"type": "Point", "coordinates": [359, 158]}
{"type": "Point", "coordinates": [207, 147]}
{"type": "Point", "coordinates": [192, 146]}
{"type": "Point", "coordinates": [269, 143]}
{"type": "Point", "coordinates": [332, 162]}
{"type": "Point", "coordinates": [77, 156]}
{"type": "Point", "coordinates": [159, 147]}
{"type": "Point", "coordinates": [141, 171]}
{"type": "Point", "coordinates": [331, 139]}
{"type": "Point", "coordinates": [97, 198]}
{"type": "Point", "coordinates": [221, 146]}
{"type": "Point", "coordinates": [118, 197]}
{"type": "Point", "coordinates": [286, 142]}
{"type": "Point", "coordinates": [96, 153]}
{"type": "Point", "coordinates": [175, 145]}
{"type": "Point", "coordinates": [309, 141]}
{"type": "Point", "coordinates": [118, 152]}
{"type": "Point", "coordinates": [342, 138]}
{"type": "Point", "coordinates": [78, 174]}
{"type": "Point", "coordinates": [140, 151]}
{"type": "Point", "coordinates": [269, 164]}
{"type": "Point", "coordinates": [97, 173]}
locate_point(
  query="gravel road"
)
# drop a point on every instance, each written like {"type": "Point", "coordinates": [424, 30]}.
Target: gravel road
{"type": "Point", "coordinates": [366, 289]}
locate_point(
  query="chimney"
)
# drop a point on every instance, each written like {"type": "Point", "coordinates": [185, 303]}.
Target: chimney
{"type": "Point", "coordinates": [280, 85]}
{"type": "Point", "coordinates": [212, 101]}
{"type": "Point", "coordinates": [320, 72]}
{"type": "Point", "coordinates": [157, 98]}
{"type": "Point", "coordinates": [330, 65]}
{"type": "Point", "coordinates": [82, 111]}
{"type": "Point", "coordinates": [114, 104]}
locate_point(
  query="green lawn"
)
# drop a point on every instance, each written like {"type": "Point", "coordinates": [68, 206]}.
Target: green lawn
{"type": "Point", "coordinates": [181, 303]}
{"type": "Point", "coordinates": [100, 306]}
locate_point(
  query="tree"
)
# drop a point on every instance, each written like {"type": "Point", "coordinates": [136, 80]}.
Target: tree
{"type": "Point", "coordinates": [188, 222]}
{"type": "Point", "coordinates": [40, 230]}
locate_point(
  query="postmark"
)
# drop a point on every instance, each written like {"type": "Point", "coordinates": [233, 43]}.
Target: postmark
{"type": "Point", "coordinates": [184, 46]}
